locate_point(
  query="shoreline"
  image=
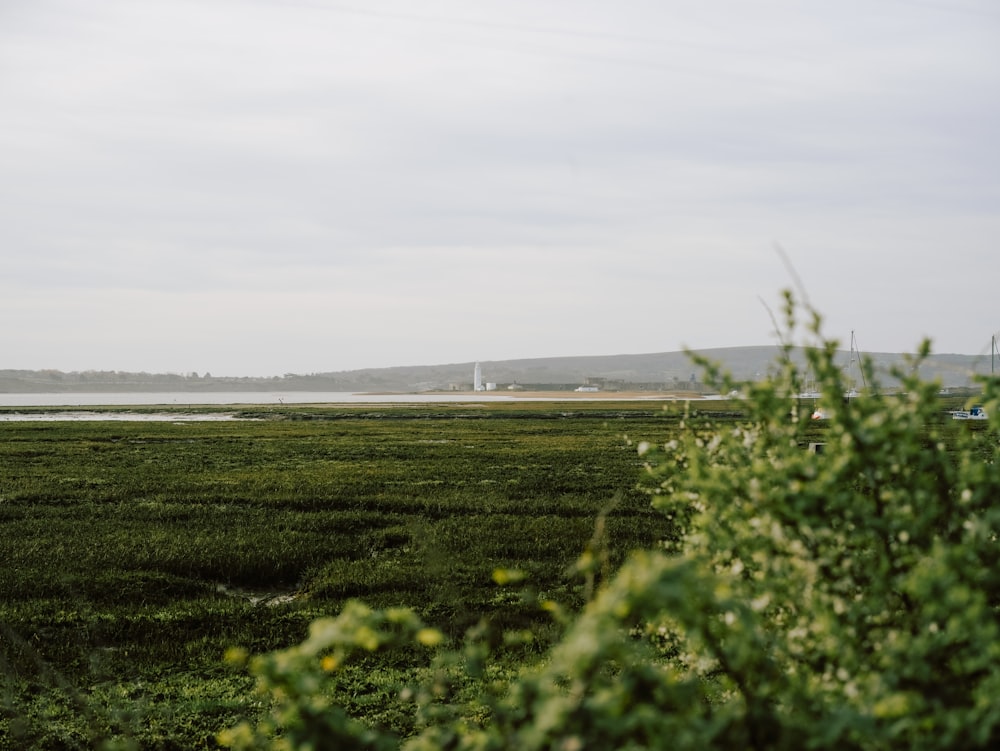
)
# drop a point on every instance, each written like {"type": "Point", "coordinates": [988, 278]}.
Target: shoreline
{"type": "Point", "coordinates": [189, 400]}
{"type": "Point", "coordinates": [526, 394]}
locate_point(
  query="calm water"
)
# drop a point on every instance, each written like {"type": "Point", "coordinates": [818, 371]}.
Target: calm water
{"type": "Point", "coordinates": [95, 416]}
{"type": "Point", "coordinates": [186, 399]}
{"type": "Point", "coordinates": [181, 399]}
{"type": "Point", "coordinates": [222, 398]}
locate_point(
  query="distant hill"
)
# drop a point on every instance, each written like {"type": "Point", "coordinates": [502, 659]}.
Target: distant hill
{"type": "Point", "coordinates": [667, 370]}
{"type": "Point", "coordinates": [655, 370]}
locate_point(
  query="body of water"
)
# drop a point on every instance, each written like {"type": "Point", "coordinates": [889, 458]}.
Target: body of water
{"type": "Point", "coordinates": [9, 403]}
{"type": "Point", "coordinates": [181, 399]}
{"type": "Point", "coordinates": [184, 398]}
{"type": "Point", "coordinates": [95, 416]}
{"type": "Point", "coordinates": [175, 400]}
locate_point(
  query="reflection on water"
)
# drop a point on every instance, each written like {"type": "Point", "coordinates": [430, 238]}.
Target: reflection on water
{"type": "Point", "coordinates": [85, 416]}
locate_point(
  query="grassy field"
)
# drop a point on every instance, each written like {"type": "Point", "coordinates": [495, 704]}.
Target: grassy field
{"type": "Point", "coordinates": [135, 553]}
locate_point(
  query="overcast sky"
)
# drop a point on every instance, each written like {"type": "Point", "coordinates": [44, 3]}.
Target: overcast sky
{"type": "Point", "coordinates": [257, 187]}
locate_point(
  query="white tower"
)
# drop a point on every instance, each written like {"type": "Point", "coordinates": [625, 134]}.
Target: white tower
{"type": "Point", "coordinates": [477, 378]}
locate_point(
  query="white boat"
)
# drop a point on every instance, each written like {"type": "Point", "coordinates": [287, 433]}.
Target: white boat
{"type": "Point", "coordinates": [976, 413]}
{"type": "Point", "coordinates": [852, 392]}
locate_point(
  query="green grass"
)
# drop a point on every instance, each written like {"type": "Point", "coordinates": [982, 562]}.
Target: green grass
{"type": "Point", "coordinates": [135, 553]}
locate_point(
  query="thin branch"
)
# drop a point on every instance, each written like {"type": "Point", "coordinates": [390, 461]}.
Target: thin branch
{"type": "Point", "coordinates": [796, 279]}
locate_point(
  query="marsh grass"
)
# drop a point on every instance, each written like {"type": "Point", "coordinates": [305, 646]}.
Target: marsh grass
{"type": "Point", "coordinates": [135, 553]}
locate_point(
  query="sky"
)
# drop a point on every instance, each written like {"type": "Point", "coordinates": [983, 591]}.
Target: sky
{"type": "Point", "coordinates": [261, 187]}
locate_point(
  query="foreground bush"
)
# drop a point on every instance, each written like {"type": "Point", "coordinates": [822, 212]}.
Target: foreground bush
{"type": "Point", "coordinates": [843, 599]}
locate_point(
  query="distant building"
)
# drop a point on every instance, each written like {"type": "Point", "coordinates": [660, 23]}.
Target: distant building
{"type": "Point", "coordinates": [477, 378]}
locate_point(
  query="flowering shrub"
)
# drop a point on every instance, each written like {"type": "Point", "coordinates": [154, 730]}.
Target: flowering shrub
{"type": "Point", "coordinates": [843, 599]}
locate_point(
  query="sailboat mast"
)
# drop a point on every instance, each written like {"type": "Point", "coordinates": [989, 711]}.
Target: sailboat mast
{"type": "Point", "coordinates": [850, 364]}
{"type": "Point", "coordinates": [855, 352]}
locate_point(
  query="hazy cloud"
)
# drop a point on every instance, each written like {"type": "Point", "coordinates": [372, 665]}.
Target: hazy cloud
{"type": "Point", "coordinates": [263, 187]}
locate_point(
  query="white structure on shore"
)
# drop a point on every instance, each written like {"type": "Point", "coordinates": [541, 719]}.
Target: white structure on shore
{"type": "Point", "coordinates": [477, 378]}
